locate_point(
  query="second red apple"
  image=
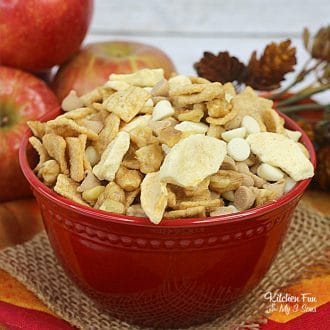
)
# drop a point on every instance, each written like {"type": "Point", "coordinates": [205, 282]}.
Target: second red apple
{"type": "Point", "coordinates": [92, 66]}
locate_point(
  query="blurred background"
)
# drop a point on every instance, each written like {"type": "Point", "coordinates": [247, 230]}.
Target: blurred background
{"type": "Point", "coordinates": [186, 28]}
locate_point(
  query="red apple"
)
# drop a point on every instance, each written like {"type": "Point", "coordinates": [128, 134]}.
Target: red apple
{"type": "Point", "coordinates": [23, 97]}
{"type": "Point", "coordinates": [36, 35]}
{"type": "Point", "coordinates": [92, 66]}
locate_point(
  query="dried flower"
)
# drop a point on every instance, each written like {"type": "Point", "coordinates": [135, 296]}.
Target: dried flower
{"type": "Point", "coordinates": [320, 48]}
{"type": "Point", "coordinates": [221, 67]}
{"type": "Point", "coordinates": [267, 72]}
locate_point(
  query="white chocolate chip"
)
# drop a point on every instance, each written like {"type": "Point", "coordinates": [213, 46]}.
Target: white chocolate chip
{"type": "Point", "coordinates": [192, 159]}
{"type": "Point", "coordinates": [250, 124]}
{"type": "Point", "coordinates": [162, 110]}
{"type": "Point", "coordinates": [293, 135]}
{"type": "Point", "coordinates": [234, 133]}
{"type": "Point", "coordinates": [238, 149]}
{"type": "Point", "coordinates": [192, 127]}
{"type": "Point", "coordinates": [269, 172]}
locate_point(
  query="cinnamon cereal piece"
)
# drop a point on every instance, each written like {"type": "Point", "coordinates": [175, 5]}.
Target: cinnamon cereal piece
{"type": "Point", "coordinates": [224, 120]}
{"type": "Point", "coordinates": [112, 191]}
{"type": "Point", "coordinates": [55, 146]}
{"type": "Point", "coordinates": [130, 161]}
{"type": "Point", "coordinates": [38, 129]}
{"type": "Point", "coordinates": [91, 97]}
{"type": "Point", "coordinates": [76, 154]}
{"type": "Point", "coordinates": [48, 171]}
{"type": "Point", "coordinates": [160, 89]}
{"type": "Point", "coordinates": [40, 149]}
{"type": "Point", "coordinates": [209, 204]}
{"type": "Point", "coordinates": [228, 164]}
{"type": "Point", "coordinates": [108, 133]}
{"type": "Point", "coordinates": [67, 187]}
{"type": "Point", "coordinates": [77, 114]}
{"type": "Point", "coordinates": [192, 212]}
{"type": "Point", "coordinates": [273, 122]}
{"type": "Point", "coordinates": [195, 93]}
{"type": "Point", "coordinates": [67, 127]}
{"type": "Point", "coordinates": [71, 101]}
{"type": "Point", "coordinates": [127, 103]}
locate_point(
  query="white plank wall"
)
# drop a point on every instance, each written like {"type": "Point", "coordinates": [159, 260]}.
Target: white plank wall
{"type": "Point", "coordinates": [186, 28]}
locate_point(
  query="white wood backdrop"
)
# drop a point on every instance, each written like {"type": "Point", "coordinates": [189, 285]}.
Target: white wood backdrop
{"type": "Point", "coordinates": [186, 28]}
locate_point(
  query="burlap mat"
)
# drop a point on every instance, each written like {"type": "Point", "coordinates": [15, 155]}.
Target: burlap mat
{"type": "Point", "coordinates": [34, 264]}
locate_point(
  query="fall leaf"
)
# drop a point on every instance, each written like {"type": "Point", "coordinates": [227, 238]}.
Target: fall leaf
{"type": "Point", "coordinates": [222, 67]}
{"type": "Point", "coordinates": [267, 72]}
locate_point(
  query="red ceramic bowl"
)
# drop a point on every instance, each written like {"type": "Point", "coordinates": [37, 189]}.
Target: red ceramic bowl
{"type": "Point", "coordinates": [176, 274]}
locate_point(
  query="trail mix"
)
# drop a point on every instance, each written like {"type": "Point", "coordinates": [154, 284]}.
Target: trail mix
{"type": "Point", "coordinates": [145, 146]}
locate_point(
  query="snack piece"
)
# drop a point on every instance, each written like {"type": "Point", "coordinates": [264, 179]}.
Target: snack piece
{"type": "Point", "coordinates": [192, 159]}
{"type": "Point", "coordinates": [91, 195]}
{"type": "Point", "coordinates": [55, 146]}
{"type": "Point", "coordinates": [191, 212]}
{"type": "Point", "coordinates": [108, 133]}
{"type": "Point", "coordinates": [238, 149]}
{"type": "Point", "coordinates": [141, 78]}
{"type": "Point", "coordinates": [195, 115]}
{"type": "Point", "coordinates": [153, 197]}
{"type": "Point", "coordinates": [136, 210]}
{"type": "Point", "coordinates": [162, 110]}
{"type": "Point", "coordinates": [67, 187]}
{"type": "Point", "coordinates": [90, 181]}
{"type": "Point", "coordinates": [263, 196]}
{"type": "Point", "coordinates": [189, 127]}
{"type": "Point", "coordinates": [110, 205]}
{"type": "Point", "coordinates": [40, 149]}
{"type": "Point", "coordinates": [76, 158]}
{"type": "Point", "coordinates": [269, 172]}
{"type": "Point", "coordinates": [142, 136]}
{"type": "Point", "coordinates": [71, 101]}
{"type": "Point", "coordinates": [280, 151]}
{"type": "Point", "coordinates": [129, 180]}
{"type": "Point", "coordinates": [250, 124]}
{"type": "Point", "coordinates": [150, 158]}
{"type": "Point", "coordinates": [223, 210]}
{"type": "Point", "coordinates": [112, 156]}
{"type": "Point", "coordinates": [127, 103]}
{"type": "Point", "coordinates": [170, 136]}
{"type": "Point", "coordinates": [225, 180]}
{"type": "Point", "coordinates": [38, 129]}
{"type": "Point", "coordinates": [234, 133]}
{"type": "Point", "coordinates": [67, 127]}
{"type": "Point", "coordinates": [244, 198]}
{"type": "Point", "coordinates": [48, 172]}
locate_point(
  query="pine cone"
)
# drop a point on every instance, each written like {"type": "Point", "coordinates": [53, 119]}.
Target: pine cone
{"type": "Point", "coordinates": [267, 72]}
{"type": "Point", "coordinates": [222, 67]}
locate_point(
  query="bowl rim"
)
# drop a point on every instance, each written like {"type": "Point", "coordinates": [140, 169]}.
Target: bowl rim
{"type": "Point", "coordinates": [108, 217]}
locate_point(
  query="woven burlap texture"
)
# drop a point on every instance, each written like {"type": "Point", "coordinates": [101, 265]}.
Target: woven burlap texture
{"type": "Point", "coordinates": [34, 264]}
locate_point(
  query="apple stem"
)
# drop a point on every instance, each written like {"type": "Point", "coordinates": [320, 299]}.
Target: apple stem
{"type": "Point", "coordinates": [4, 121]}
